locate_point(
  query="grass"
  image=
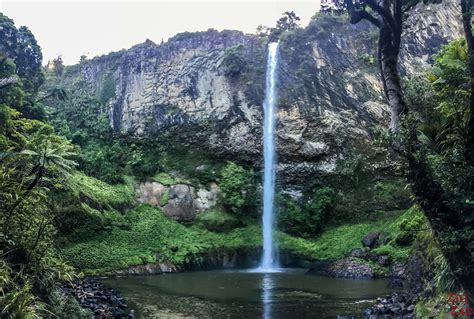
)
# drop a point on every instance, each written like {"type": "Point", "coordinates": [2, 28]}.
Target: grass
{"type": "Point", "coordinates": [152, 237]}
{"type": "Point", "coordinates": [335, 242]}
{"type": "Point", "coordinates": [434, 307]}
{"type": "Point", "coordinates": [102, 193]}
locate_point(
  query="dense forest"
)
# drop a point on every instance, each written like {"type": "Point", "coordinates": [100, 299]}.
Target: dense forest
{"type": "Point", "coordinates": [132, 163]}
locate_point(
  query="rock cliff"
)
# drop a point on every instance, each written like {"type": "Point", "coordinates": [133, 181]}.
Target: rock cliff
{"type": "Point", "coordinates": [205, 90]}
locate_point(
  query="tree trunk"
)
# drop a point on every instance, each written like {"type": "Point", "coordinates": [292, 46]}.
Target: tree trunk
{"type": "Point", "coordinates": [442, 216]}
{"type": "Point", "coordinates": [446, 216]}
{"type": "Point", "coordinates": [466, 10]}
{"type": "Point", "coordinates": [432, 197]}
{"type": "Point", "coordinates": [388, 56]}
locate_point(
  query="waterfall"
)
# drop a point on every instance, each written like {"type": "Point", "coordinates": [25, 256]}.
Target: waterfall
{"type": "Point", "coordinates": [269, 261]}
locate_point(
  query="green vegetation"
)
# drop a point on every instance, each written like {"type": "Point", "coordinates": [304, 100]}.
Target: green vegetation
{"type": "Point", "coordinates": [67, 181]}
{"type": "Point", "coordinates": [165, 197]}
{"type": "Point", "coordinates": [238, 188]}
{"type": "Point", "coordinates": [102, 193]}
{"type": "Point", "coordinates": [150, 237]}
{"type": "Point", "coordinates": [288, 22]}
{"type": "Point", "coordinates": [233, 61]}
{"type": "Point", "coordinates": [218, 221]}
{"type": "Point", "coordinates": [436, 307]}
{"type": "Point", "coordinates": [165, 179]}
{"type": "Point", "coordinates": [35, 164]}
{"type": "Point", "coordinates": [307, 219]}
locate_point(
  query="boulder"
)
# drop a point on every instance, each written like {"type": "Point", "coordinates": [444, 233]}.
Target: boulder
{"type": "Point", "coordinates": [207, 199]}
{"type": "Point", "coordinates": [370, 240]}
{"type": "Point", "coordinates": [181, 205]}
{"type": "Point", "coordinates": [350, 268]}
{"type": "Point", "coordinates": [151, 193]}
{"type": "Point", "coordinates": [357, 252]}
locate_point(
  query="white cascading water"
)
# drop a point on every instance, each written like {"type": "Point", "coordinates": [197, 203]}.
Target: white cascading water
{"type": "Point", "coordinates": [269, 260]}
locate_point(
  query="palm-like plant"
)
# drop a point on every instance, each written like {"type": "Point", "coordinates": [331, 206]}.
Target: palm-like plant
{"type": "Point", "coordinates": [50, 160]}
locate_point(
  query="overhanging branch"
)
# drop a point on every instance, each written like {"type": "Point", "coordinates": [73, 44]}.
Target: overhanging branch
{"type": "Point", "coordinates": [360, 14]}
{"type": "Point", "coordinates": [386, 15]}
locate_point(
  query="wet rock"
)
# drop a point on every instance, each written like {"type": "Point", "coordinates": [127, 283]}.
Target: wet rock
{"type": "Point", "coordinates": [102, 301]}
{"type": "Point", "coordinates": [399, 270]}
{"type": "Point", "coordinates": [148, 269]}
{"type": "Point", "coordinates": [350, 268]}
{"type": "Point", "coordinates": [396, 283]}
{"type": "Point", "coordinates": [395, 305]}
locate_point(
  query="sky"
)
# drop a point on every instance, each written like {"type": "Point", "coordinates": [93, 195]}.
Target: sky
{"type": "Point", "coordinates": [71, 28]}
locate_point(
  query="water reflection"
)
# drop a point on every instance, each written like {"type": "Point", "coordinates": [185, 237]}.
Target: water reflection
{"type": "Point", "coordinates": [267, 286]}
{"type": "Point", "coordinates": [289, 293]}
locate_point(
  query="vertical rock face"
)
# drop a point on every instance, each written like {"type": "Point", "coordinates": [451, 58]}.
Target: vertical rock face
{"type": "Point", "coordinates": [205, 89]}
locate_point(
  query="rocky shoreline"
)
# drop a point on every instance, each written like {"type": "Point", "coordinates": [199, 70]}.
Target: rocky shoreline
{"type": "Point", "coordinates": [102, 301]}
{"type": "Point", "coordinates": [396, 305]}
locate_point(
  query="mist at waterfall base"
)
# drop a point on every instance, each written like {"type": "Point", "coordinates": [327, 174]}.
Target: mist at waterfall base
{"type": "Point", "coordinates": [269, 261]}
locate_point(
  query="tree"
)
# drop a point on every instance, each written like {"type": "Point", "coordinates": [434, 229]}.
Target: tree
{"type": "Point", "coordinates": [449, 209]}
{"type": "Point", "coordinates": [467, 7]}
{"type": "Point", "coordinates": [288, 22]}
{"type": "Point", "coordinates": [58, 66]}
{"type": "Point", "coordinates": [38, 163]}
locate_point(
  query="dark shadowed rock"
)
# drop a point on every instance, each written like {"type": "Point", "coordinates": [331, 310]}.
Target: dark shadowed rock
{"type": "Point", "coordinates": [370, 239]}
{"type": "Point", "coordinates": [357, 252]}
{"type": "Point", "coordinates": [350, 268]}
{"type": "Point", "coordinates": [102, 301]}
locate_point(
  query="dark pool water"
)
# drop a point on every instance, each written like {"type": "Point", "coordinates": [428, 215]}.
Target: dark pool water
{"type": "Point", "coordinates": [244, 294]}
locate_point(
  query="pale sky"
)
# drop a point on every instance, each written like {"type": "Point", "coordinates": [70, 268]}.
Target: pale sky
{"type": "Point", "coordinates": [71, 28]}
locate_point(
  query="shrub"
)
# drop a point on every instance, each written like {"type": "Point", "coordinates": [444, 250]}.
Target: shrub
{"type": "Point", "coordinates": [308, 218]}
{"type": "Point", "coordinates": [409, 227]}
{"type": "Point", "coordinates": [238, 187]}
{"type": "Point", "coordinates": [233, 62]}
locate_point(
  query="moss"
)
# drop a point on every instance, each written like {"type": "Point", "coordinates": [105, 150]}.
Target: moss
{"type": "Point", "coordinates": [102, 193]}
{"type": "Point", "coordinates": [165, 197]}
{"type": "Point", "coordinates": [151, 237]}
{"type": "Point", "coordinates": [396, 253]}
{"type": "Point", "coordinates": [378, 270]}
{"type": "Point", "coordinates": [167, 179]}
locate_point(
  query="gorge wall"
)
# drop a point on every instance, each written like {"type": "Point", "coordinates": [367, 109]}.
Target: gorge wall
{"type": "Point", "coordinates": [204, 90]}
